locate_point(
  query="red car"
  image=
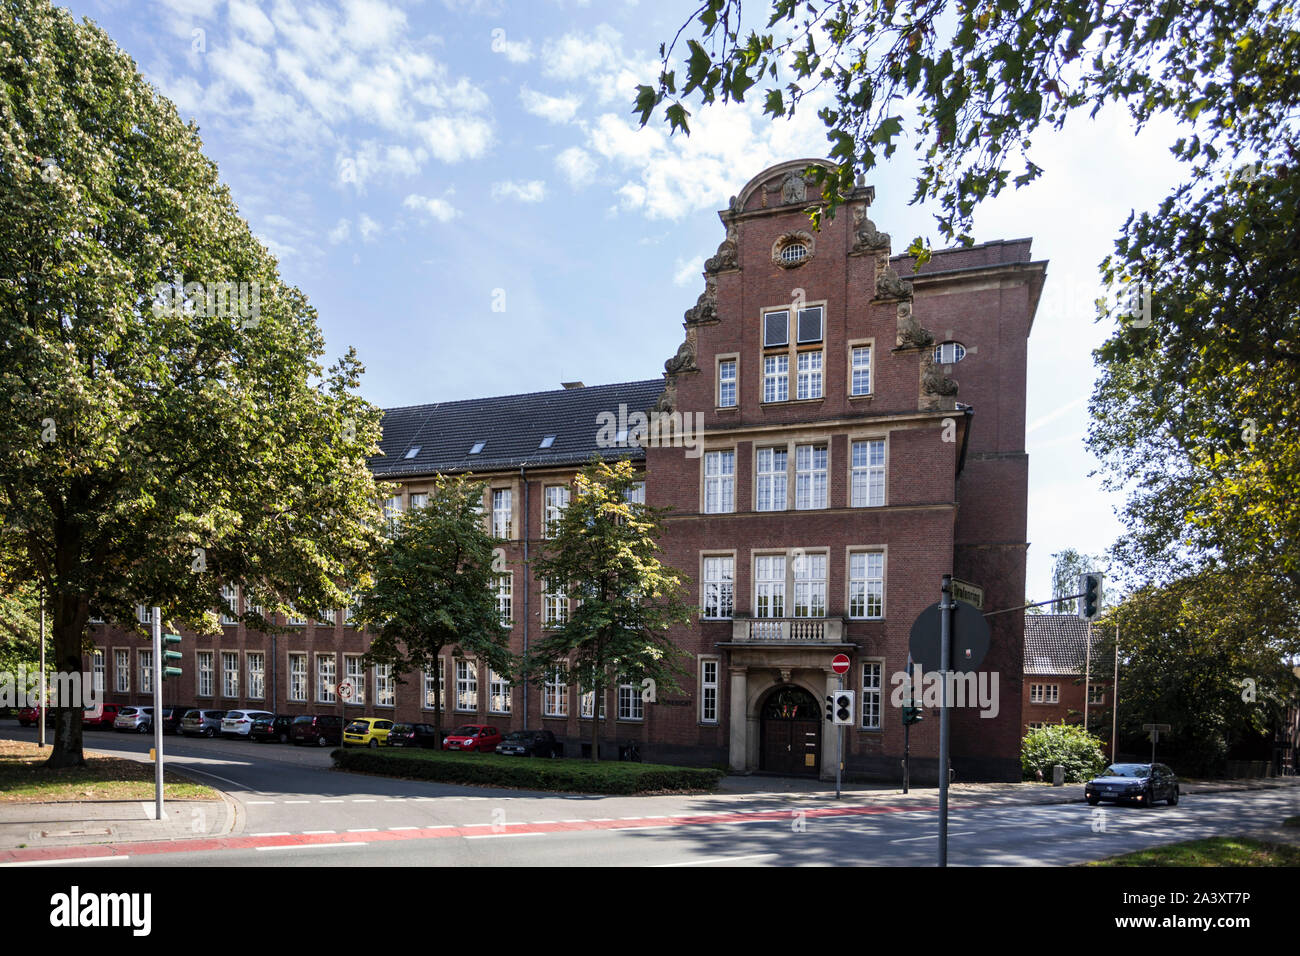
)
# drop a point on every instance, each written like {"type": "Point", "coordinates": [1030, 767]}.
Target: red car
{"type": "Point", "coordinates": [101, 719]}
{"type": "Point", "coordinates": [29, 716]}
{"type": "Point", "coordinates": [471, 737]}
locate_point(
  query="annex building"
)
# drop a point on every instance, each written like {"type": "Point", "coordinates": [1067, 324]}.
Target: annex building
{"type": "Point", "coordinates": [844, 432]}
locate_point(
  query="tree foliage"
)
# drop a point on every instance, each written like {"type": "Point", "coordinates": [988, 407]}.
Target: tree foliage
{"type": "Point", "coordinates": [604, 553]}
{"type": "Point", "coordinates": [433, 588]}
{"type": "Point", "coordinates": [1067, 565]}
{"type": "Point", "coordinates": [1207, 655]}
{"type": "Point", "coordinates": [156, 441]}
{"type": "Point", "coordinates": [1066, 745]}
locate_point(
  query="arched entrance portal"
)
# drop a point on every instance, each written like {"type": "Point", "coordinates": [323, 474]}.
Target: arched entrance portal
{"type": "Point", "coordinates": [790, 732]}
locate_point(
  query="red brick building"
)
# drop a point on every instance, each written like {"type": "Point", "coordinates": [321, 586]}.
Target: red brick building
{"type": "Point", "coordinates": [823, 476]}
{"type": "Point", "coordinates": [1056, 663]}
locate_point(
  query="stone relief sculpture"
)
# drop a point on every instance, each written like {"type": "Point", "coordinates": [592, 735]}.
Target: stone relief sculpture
{"type": "Point", "coordinates": [911, 335]}
{"type": "Point", "coordinates": [933, 381]}
{"type": "Point", "coordinates": [684, 360]}
{"type": "Point", "coordinates": [727, 256]}
{"type": "Point", "coordinates": [890, 286]}
{"type": "Point", "coordinates": [868, 237]}
{"type": "Point", "coordinates": [705, 308]}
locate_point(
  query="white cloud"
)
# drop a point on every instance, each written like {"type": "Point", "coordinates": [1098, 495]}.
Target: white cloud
{"type": "Point", "coordinates": [439, 209]}
{"type": "Point", "coordinates": [252, 22]}
{"type": "Point", "coordinates": [556, 109]}
{"type": "Point", "coordinates": [340, 232]}
{"type": "Point", "coordinates": [576, 164]}
{"type": "Point", "coordinates": [372, 23]}
{"type": "Point", "coordinates": [368, 228]}
{"type": "Point", "coordinates": [516, 51]}
{"type": "Point", "coordinates": [531, 191]}
{"type": "Point", "coordinates": [375, 161]}
{"type": "Point", "coordinates": [453, 138]}
{"type": "Point", "coordinates": [688, 272]}
{"type": "Point", "coordinates": [577, 54]}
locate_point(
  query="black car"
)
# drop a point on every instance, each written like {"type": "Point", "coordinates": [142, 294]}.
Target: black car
{"type": "Point", "coordinates": [414, 735]}
{"type": "Point", "coordinates": [529, 743]}
{"type": "Point", "coordinates": [1140, 783]}
{"type": "Point", "coordinates": [171, 718]}
{"type": "Point", "coordinates": [319, 729]}
{"type": "Point", "coordinates": [271, 727]}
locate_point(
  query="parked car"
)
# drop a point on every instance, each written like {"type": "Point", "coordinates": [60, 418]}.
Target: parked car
{"type": "Point", "coordinates": [271, 727]}
{"type": "Point", "coordinates": [238, 723]}
{"type": "Point", "coordinates": [414, 735]}
{"type": "Point", "coordinates": [101, 717]}
{"type": "Point", "coordinates": [172, 717]}
{"type": "Point", "coordinates": [1140, 783]}
{"type": "Point", "coordinates": [201, 723]}
{"type": "Point", "coordinates": [139, 719]}
{"type": "Point", "coordinates": [319, 729]}
{"type": "Point", "coordinates": [28, 716]}
{"type": "Point", "coordinates": [528, 743]}
{"type": "Point", "coordinates": [367, 732]}
{"type": "Point", "coordinates": [471, 737]}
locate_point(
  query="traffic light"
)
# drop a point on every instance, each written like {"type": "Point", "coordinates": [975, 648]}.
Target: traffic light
{"type": "Point", "coordinates": [169, 655]}
{"type": "Point", "coordinates": [830, 707]}
{"type": "Point", "coordinates": [1090, 597]}
{"type": "Point", "coordinates": [842, 708]}
{"type": "Point", "coordinates": [912, 715]}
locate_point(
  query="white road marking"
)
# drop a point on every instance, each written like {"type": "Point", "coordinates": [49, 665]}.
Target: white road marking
{"type": "Point", "coordinates": [329, 801]}
{"type": "Point", "coordinates": [297, 801]}
{"type": "Point", "coordinates": [718, 859]}
{"type": "Point", "coordinates": [71, 859]}
{"type": "Point", "coordinates": [396, 829]}
{"type": "Point", "coordinates": [308, 846]}
{"type": "Point", "coordinates": [364, 800]}
{"type": "Point", "coordinates": [276, 833]}
{"type": "Point", "coordinates": [306, 832]}
{"type": "Point", "coordinates": [490, 836]}
{"type": "Point", "coordinates": [253, 802]}
{"type": "Point", "coordinates": [932, 836]}
{"type": "Point", "coordinates": [365, 830]}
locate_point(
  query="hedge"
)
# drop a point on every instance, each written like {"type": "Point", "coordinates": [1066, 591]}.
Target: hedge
{"type": "Point", "coordinates": [522, 773]}
{"type": "Point", "coordinates": [1069, 745]}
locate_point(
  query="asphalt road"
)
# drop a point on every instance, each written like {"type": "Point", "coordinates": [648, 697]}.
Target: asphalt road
{"type": "Point", "coordinates": [296, 811]}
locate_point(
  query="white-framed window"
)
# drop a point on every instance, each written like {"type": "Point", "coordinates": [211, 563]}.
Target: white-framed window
{"type": "Point", "coordinates": [867, 585]}
{"type": "Point", "coordinates": [709, 690]}
{"type": "Point", "coordinates": [230, 675]}
{"type": "Point", "coordinates": [635, 493]}
{"type": "Point", "coordinates": [555, 695]}
{"type": "Point", "coordinates": [808, 383]}
{"type": "Point", "coordinates": [872, 673]}
{"type": "Point", "coordinates": [122, 671]}
{"type": "Point", "coordinates": [555, 605]}
{"type": "Point", "coordinates": [294, 618]}
{"type": "Point", "coordinates": [769, 585]}
{"type": "Point", "coordinates": [326, 619]}
{"type": "Point", "coordinates": [97, 666]}
{"type": "Point", "coordinates": [949, 353]}
{"type": "Point", "coordinates": [146, 671]}
{"type": "Point", "coordinates": [1035, 725]}
{"type": "Point", "coordinates": [776, 378]}
{"type": "Point", "coordinates": [727, 383]}
{"type": "Point", "coordinates": [810, 477]}
{"type": "Point", "coordinates": [467, 686]}
{"type": "Point", "coordinates": [587, 704]}
{"type": "Point", "coordinates": [771, 469]}
{"type": "Point", "coordinates": [776, 328]}
{"type": "Point", "coordinates": [809, 585]}
{"type": "Point", "coordinates": [203, 669]}
{"type": "Point", "coordinates": [350, 612]}
{"type": "Point", "coordinates": [325, 679]}
{"type": "Point", "coordinates": [393, 510]}
{"type": "Point", "coordinates": [1044, 693]}
{"type": "Point", "coordinates": [1096, 694]}
{"type": "Point", "coordinates": [505, 598]}
{"type": "Point", "coordinates": [867, 482]}
{"type": "Point", "coordinates": [298, 677]}
{"type": "Point", "coordinates": [719, 588]}
{"type": "Point", "coordinates": [809, 325]}
{"type": "Point", "coordinates": [435, 687]}
{"type": "Point", "coordinates": [719, 482]}
{"type": "Point", "coordinates": [556, 498]}
{"type": "Point", "coordinates": [144, 614]}
{"type": "Point", "coordinates": [419, 499]}
{"type": "Point", "coordinates": [630, 704]}
{"type": "Point", "coordinates": [354, 670]}
{"type": "Point", "coordinates": [501, 512]}
{"type": "Point", "coordinates": [256, 661]}
{"type": "Point", "coordinates": [385, 686]}
{"type": "Point", "coordinates": [230, 609]}
{"type": "Point", "coordinates": [860, 370]}
{"type": "Point", "coordinates": [499, 696]}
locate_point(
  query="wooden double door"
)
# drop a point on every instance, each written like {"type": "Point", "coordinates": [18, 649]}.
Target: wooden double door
{"type": "Point", "coordinates": [791, 728]}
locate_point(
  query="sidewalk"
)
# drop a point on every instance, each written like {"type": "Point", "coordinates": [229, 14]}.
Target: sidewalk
{"type": "Point", "coordinates": [35, 825]}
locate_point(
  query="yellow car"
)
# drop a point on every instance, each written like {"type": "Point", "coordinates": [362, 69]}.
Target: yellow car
{"type": "Point", "coordinates": [367, 731]}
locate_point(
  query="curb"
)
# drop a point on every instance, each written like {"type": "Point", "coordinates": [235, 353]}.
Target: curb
{"type": "Point", "coordinates": [235, 814]}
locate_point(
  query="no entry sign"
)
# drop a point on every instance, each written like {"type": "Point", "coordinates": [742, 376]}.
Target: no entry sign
{"type": "Point", "coordinates": [840, 664]}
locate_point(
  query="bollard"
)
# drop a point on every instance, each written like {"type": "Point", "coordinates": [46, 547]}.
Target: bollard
{"type": "Point", "coordinates": [1058, 776]}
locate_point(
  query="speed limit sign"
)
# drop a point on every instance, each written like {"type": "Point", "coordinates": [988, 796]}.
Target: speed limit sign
{"type": "Point", "coordinates": [346, 690]}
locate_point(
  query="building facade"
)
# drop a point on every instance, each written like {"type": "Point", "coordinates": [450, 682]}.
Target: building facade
{"type": "Point", "coordinates": [1062, 679]}
{"type": "Point", "coordinates": [836, 432]}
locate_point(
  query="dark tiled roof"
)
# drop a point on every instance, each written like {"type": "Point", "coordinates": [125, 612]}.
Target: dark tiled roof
{"type": "Point", "coordinates": [1054, 643]}
{"type": "Point", "coordinates": [511, 427]}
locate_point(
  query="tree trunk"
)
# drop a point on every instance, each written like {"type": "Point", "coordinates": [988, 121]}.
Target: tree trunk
{"type": "Point", "coordinates": [69, 623]}
{"type": "Point", "coordinates": [595, 722]}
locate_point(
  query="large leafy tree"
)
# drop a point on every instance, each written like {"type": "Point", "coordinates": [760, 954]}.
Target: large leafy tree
{"type": "Point", "coordinates": [604, 553]}
{"type": "Point", "coordinates": [433, 588]}
{"type": "Point", "coordinates": [153, 445]}
{"type": "Point", "coordinates": [1207, 655]}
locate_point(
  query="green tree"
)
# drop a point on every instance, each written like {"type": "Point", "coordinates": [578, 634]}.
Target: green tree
{"type": "Point", "coordinates": [1067, 565]}
{"type": "Point", "coordinates": [165, 424]}
{"type": "Point", "coordinates": [434, 588]}
{"type": "Point", "coordinates": [604, 553]}
{"type": "Point", "coordinates": [20, 626]}
{"type": "Point", "coordinates": [1207, 655]}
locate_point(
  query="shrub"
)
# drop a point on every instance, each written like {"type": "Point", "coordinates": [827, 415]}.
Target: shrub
{"type": "Point", "coordinates": [521, 773]}
{"type": "Point", "coordinates": [1069, 745]}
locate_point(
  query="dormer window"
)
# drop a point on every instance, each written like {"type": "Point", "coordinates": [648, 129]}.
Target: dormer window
{"type": "Point", "coordinates": [477, 447]}
{"type": "Point", "coordinates": [547, 442]}
{"type": "Point", "coordinates": [412, 452]}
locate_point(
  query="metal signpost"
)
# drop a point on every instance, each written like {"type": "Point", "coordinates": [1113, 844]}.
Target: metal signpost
{"type": "Point", "coordinates": [945, 664]}
{"type": "Point", "coordinates": [157, 713]}
{"type": "Point", "coordinates": [1154, 731]}
{"type": "Point", "coordinates": [45, 703]}
{"type": "Point", "coordinates": [840, 664]}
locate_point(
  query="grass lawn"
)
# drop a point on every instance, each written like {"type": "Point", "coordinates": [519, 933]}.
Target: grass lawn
{"type": "Point", "coordinates": [1216, 851]}
{"type": "Point", "coordinates": [522, 773]}
{"type": "Point", "coordinates": [24, 780]}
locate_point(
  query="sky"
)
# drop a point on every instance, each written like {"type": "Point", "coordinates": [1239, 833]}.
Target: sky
{"type": "Point", "coordinates": [461, 190]}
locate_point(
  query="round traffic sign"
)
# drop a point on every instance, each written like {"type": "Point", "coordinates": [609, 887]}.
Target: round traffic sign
{"type": "Point", "coordinates": [345, 690]}
{"type": "Point", "coordinates": [840, 664]}
{"type": "Point", "coordinates": [970, 638]}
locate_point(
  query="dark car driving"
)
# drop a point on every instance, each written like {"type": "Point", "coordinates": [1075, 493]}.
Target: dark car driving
{"type": "Point", "coordinates": [528, 743]}
{"type": "Point", "coordinates": [1140, 783]}
{"type": "Point", "coordinates": [414, 735]}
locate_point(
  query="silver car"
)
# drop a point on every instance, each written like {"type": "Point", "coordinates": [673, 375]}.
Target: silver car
{"type": "Point", "coordinates": [237, 723]}
{"type": "Point", "coordinates": [202, 723]}
{"type": "Point", "coordinates": [139, 719]}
